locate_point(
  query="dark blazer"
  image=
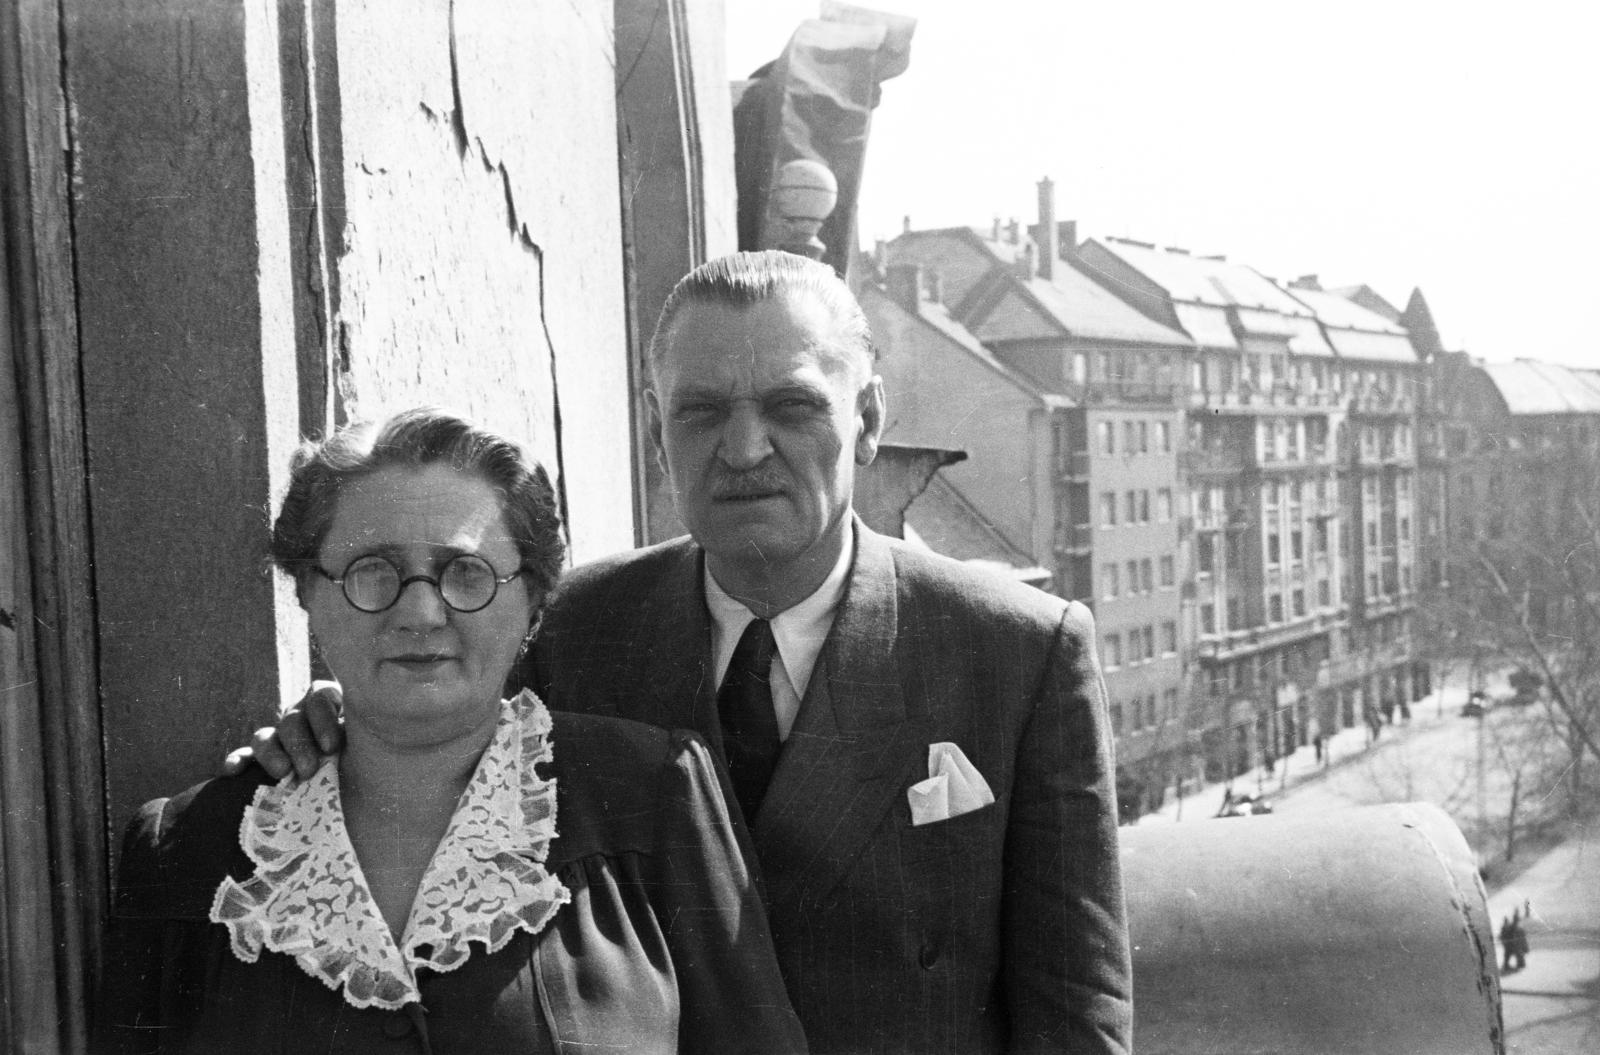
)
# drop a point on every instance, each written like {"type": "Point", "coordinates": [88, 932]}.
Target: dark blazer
{"type": "Point", "coordinates": [1000, 930]}
{"type": "Point", "coordinates": [664, 946]}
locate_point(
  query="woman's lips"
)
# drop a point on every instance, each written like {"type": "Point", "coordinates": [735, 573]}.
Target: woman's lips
{"type": "Point", "coordinates": [420, 661]}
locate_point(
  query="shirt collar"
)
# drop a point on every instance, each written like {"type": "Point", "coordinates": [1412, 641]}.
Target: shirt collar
{"type": "Point", "coordinates": [799, 630]}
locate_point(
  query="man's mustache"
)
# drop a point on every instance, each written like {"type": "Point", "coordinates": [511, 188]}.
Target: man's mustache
{"type": "Point", "coordinates": [746, 485]}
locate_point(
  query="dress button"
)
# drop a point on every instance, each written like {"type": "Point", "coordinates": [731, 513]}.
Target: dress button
{"type": "Point", "coordinates": [396, 1025]}
{"type": "Point", "coordinates": [929, 955]}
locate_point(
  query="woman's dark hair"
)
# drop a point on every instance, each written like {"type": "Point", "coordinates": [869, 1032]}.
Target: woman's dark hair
{"type": "Point", "coordinates": [415, 438]}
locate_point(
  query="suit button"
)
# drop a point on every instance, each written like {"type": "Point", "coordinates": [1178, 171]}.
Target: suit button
{"type": "Point", "coordinates": [396, 1025]}
{"type": "Point", "coordinates": [929, 955]}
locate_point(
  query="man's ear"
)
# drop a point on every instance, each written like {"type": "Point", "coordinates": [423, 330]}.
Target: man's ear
{"type": "Point", "coordinates": [872, 412]}
{"type": "Point", "coordinates": [653, 409]}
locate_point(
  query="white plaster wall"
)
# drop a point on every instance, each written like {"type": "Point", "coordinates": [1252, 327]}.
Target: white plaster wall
{"type": "Point", "coordinates": [481, 264]}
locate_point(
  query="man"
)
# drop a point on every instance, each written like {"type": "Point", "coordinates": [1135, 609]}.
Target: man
{"type": "Point", "coordinates": [825, 662]}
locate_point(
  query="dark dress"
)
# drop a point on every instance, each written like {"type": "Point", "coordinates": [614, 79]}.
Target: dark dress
{"type": "Point", "coordinates": [664, 945]}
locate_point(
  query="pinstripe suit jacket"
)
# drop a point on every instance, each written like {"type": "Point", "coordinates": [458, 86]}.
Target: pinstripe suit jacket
{"type": "Point", "coordinates": [999, 930]}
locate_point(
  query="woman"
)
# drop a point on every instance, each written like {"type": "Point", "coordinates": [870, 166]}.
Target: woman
{"type": "Point", "coordinates": [431, 889]}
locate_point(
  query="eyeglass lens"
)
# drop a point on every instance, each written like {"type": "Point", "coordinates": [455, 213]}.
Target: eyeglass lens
{"type": "Point", "coordinates": [466, 583]}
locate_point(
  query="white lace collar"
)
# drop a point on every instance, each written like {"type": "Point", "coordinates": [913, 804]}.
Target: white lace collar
{"type": "Point", "coordinates": [309, 899]}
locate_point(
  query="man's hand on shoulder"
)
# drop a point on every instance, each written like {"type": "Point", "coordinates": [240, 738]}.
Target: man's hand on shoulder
{"type": "Point", "coordinates": [305, 733]}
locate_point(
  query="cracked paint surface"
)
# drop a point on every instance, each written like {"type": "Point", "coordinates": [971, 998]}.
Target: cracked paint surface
{"type": "Point", "coordinates": [481, 264]}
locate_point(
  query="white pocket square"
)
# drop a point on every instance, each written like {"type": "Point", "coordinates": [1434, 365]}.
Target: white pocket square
{"type": "Point", "coordinates": [954, 786]}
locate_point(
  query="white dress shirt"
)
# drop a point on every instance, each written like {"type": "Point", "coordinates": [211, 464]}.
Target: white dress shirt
{"type": "Point", "coordinates": [799, 632]}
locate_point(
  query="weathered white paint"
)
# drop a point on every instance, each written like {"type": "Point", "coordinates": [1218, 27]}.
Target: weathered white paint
{"type": "Point", "coordinates": [281, 416]}
{"type": "Point", "coordinates": [481, 265]}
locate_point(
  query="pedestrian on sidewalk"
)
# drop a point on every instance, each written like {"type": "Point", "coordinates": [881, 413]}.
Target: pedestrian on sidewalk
{"type": "Point", "coordinates": [1514, 942]}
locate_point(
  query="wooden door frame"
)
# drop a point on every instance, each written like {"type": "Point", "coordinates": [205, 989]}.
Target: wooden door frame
{"type": "Point", "coordinates": [54, 756]}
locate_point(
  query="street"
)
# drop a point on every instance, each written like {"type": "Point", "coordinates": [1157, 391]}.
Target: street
{"type": "Point", "coordinates": [1551, 1007]}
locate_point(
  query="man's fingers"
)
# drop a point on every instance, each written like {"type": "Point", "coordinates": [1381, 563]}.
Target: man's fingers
{"type": "Point", "coordinates": [238, 761]}
{"type": "Point", "coordinates": [322, 708]}
{"type": "Point", "coordinates": [266, 752]}
{"type": "Point", "coordinates": [294, 739]}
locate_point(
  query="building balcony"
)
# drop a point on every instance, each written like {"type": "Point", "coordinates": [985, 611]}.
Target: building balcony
{"type": "Point", "coordinates": [1116, 391]}
{"type": "Point", "coordinates": [1237, 643]}
{"type": "Point", "coordinates": [1217, 460]}
{"type": "Point", "coordinates": [1074, 538]}
{"type": "Point", "coordinates": [1073, 465]}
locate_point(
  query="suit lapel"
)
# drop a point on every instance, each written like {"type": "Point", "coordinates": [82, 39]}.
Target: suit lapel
{"type": "Point", "coordinates": [675, 668]}
{"type": "Point", "coordinates": [856, 737]}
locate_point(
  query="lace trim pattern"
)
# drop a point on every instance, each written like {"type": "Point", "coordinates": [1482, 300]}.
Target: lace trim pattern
{"type": "Point", "coordinates": [309, 899]}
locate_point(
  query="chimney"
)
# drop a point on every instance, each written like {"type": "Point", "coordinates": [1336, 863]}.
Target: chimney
{"type": "Point", "coordinates": [1050, 234]}
{"type": "Point", "coordinates": [994, 232]}
{"type": "Point", "coordinates": [935, 286]}
{"type": "Point", "coordinates": [905, 285]}
{"type": "Point", "coordinates": [880, 255]}
{"type": "Point", "coordinates": [1307, 282]}
{"type": "Point", "coordinates": [1013, 231]}
{"type": "Point", "coordinates": [905, 224]}
{"type": "Point", "coordinates": [1028, 262]}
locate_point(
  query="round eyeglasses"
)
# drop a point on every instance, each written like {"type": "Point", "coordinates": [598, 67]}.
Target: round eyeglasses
{"type": "Point", "coordinates": [373, 583]}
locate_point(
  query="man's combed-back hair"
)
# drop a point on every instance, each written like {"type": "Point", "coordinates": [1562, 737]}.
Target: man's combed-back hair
{"type": "Point", "coordinates": [741, 280]}
{"type": "Point", "coordinates": [416, 438]}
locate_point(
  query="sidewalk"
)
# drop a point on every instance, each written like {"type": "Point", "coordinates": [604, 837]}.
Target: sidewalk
{"type": "Point", "coordinates": [1302, 766]}
{"type": "Point", "coordinates": [1552, 1006]}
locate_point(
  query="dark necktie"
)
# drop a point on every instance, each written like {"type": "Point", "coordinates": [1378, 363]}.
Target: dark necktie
{"type": "Point", "coordinates": [749, 721]}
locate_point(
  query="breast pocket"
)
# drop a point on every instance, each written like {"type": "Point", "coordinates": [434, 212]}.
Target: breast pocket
{"type": "Point", "coordinates": [975, 835]}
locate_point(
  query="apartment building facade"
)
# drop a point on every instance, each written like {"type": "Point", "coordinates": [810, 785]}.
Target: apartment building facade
{"type": "Point", "coordinates": [1233, 483]}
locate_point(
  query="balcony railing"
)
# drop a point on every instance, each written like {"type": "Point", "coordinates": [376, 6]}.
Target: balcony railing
{"type": "Point", "coordinates": [1072, 465]}
{"type": "Point", "coordinates": [1117, 391]}
{"type": "Point", "coordinates": [1074, 538]}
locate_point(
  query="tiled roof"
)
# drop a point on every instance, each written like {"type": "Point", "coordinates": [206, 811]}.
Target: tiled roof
{"type": "Point", "coordinates": [1207, 324]}
{"type": "Point", "coordinates": [1355, 331]}
{"type": "Point", "coordinates": [951, 525]}
{"type": "Point", "coordinates": [1531, 387]}
{"type": "Point", "coordinates": [1088, 309]}
{"type": "Point", "coordinates": [1205, 280]}
{"type": "Point", "coordinates": [1308, 338]}
{"type": "Point", "coordinates": [1332, 309]}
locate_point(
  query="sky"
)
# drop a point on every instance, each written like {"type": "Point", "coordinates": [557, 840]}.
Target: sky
{"type": "Point", "coordinates": [1414, 143]}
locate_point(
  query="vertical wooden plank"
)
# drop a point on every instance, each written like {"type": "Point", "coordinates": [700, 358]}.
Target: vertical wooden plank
{"type": "Point", "coordinates": [57, 638]}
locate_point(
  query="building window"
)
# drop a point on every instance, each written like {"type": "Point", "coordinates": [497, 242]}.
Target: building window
{"type": "Point", "coordinates": [1130, 437]}
{"type": "Point", "coordinates": [1205, 551]}
{"type": "Point", "coordinates": [1113, 651]}
{"type": "Point", "coordinates": [1147, 575]}
{"type": "Point", "coordinates": [1144, 507]}
{"type": "Point", "coordinates": [1144, 437]}
{"type": "Point", "coordinates": [1372, 532]}
{"type": "Point", "coordinates": [1164, 436]}
{"type": "Point", "coordinates": [1108, 509]}
{"type": "Point", "coordinates": [1150, 648]}
{"type": "Point", "coordinates": [1169, 571]}
{"type": "Point", "coordinates": [1208, 619]}
{"type": "Point", "coordinates": [1296, 545]}
{"type": "Point", "coordinates": [1275, 608]}
{"type": "Point", "coordinates": [1164, 504]}
{"type": "Point", "coordinates": [1169, 638]}
{"type": "Point", "coordinates": [1108, 437]}
{"type": "Point", "coordinates": [1299, 602]}
{"type": "Point", "coordinates": [1234, 620]}
{"type": "Point", "coordinates": [1274, 549]}
{"type": "Point", "coordinates": [1108, 581]}
{"type": "Point", "coordinates": [1133, 577]}
{"type": "Point", "coordinates": [1132, 507]}
{"type": "Point", "coordinates": [1324, 594]}
{"type": "Point", "coordinates": [1322, 538]}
